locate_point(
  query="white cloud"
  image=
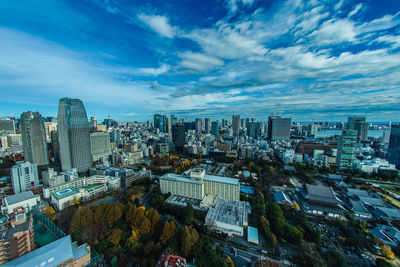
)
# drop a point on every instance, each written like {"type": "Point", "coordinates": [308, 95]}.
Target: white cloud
{"type": "Point", "coordinates": [393, 40]}
{"type": "Point", "coordinates": [355, 10]}
{"type": "Point", "coordinates": [386, 22]}
{"type": "Point", "coordinates": [335, 31]}
{"type": "Point", "coordinates": [159, 24]}
{"type": "Point", "coordinates": [130, 114]}
{"type": "Point", "coordinates": [198, 62]}
{"type": "Point", "coordinates": [154, 71]}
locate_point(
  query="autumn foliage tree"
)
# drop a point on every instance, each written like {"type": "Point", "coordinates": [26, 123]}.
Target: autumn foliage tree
{"type": "Point", "coordinates": [82, 218]}
{"type": "Point", "coordinates": [115, 236]}
{"type": "Point", "coordinates": [188, 240]}
{"type": "Point", "coordinates": [168, 232]}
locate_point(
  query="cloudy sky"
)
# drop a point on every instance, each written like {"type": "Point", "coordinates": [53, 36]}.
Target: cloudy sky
{"type": "Point", "coordinates": [130, 59]}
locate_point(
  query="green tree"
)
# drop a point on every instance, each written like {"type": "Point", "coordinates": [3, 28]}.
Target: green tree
{"type": "Point", "coordinates": [188, 214]}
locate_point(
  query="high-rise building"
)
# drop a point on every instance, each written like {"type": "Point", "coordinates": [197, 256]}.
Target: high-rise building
{"type": "Point", "coordinates": [174, 120]}
{"type": "Point", "coordinates": [55, 146]}
{"type": "Point", "coordinates": [215, 128]}
{"type": "Point", "coordinates": [73, 135]}
{"type": "Point", "coordinates": [34, 138]}
{"type": "Point", "coordinates": [360, 125]}
{"type": "Point", "coordinates": [394, 146]}
{"type": "Point", "coordinates": [100, 145]}
{"type": "Point", "coordinates": [7, 126]}
{"type": "Point", "coordinates": [178, 135]}
{"type": "Point", "coordinates": [207, 125]}
{"type": "Point", "coordinates": [198, 126]}
{"type": "Point", "coordinates": [23, 176]}
{"type": "Point", "coordinates": [254, 129]}
{"type": "Point", "coordinates": [49, 127]}
{"type": "Point", "coordinates": [160, 122]}
{"type": "Point", "coordinates": [346, 147]}
{"type": "Point", "coordinates": [168, 127]}
{"type": "Point", "coordinates": [236, 125]}
{"type": "Point", "coordinates": [278, 128]}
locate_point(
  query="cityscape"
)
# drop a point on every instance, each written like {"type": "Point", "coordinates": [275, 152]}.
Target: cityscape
{"type": "Point", "coordinates": [228, 133]}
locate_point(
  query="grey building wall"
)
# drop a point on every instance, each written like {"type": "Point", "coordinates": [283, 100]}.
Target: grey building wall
{"type": "Point", "coordinates": [34, 138]}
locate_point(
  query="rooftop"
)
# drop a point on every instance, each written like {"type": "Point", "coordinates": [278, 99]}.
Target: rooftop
{"type": "Point", "coordinates": [62, 193]}
{"type": "Point", "coordinates": [52, 254]}
{"type": "Point", "coordinates": [229, 212]}
{"type": "Point", "coordinates": [321, 194]}
{"type": "Point", "coordinates": [252, 235]}
{"type": "Point", "coordinates": [19, 197]}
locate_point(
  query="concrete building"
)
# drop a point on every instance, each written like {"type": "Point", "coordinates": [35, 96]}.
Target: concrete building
{"type": "Point", "coordinates": [27, 200]}
{"type": "Point", "coordinates": [207, 125]}
{"type": "Point", "coordinates": [228, 216]}
{"type": "Point", "coordinates": [278, 128]}
{"type": "Point", "coordinates": [23, 176]}
{"type": "Point", "coordinates": [73, 133]}
{"type": "Point", "coordinates": [62, 252]}
{"type": "Point", "coordinates": [236, 125]}
{"type": "Point", "coordinates": [34, 138]}
{"type": "Point", "coordinates": [16, 235]}
{"type": "Point", "coordinates": [51, 178]}
{"type": "Point", "coordinates": [360, 125]}
{"type": "Point", "coordinates": [198, 185]}
{"type": "Point", "coordinates": [7, 126]}
{"type": "Point", "coordinates": [100, 145]}
{"type": "Point", "coordinates": [346, 149]}
{"type": "Point", "coordinates": [394, 146]}
{"type": "Point", "coordinates": [198, 126]}
{"type": "Point", "coordinates": [49, 127]}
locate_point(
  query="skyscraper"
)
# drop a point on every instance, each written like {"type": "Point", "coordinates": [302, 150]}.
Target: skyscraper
{"type": "Point", "coordinates": [178, 135]}
{"type": "Point", "coordinates": [235, 125]}
{"type": "Point", "coordinates": [207, 125]}
{"type": "Point", "coordinates": [360, 125]}
{"type": "Point", "coordinates": [160, 122]}
{"type": "Point", "coordinates": [73, 134]}
{"type": "Point", "coordinates": [34, 138]}
{"type": "Point", "coordinates": [346, 147]}
{"type": "Point", "coordinates": [394, 146]}
{"type": "Point", "coordinates": [215, 128]}
{"type": "Point", "coordinates": [198, 126]}
{"type": "Point", "coordinates": [278, 128]}
{"type": "Point", "coordinates": [23, 176]}
{"type": "Point", "coordinates": [254, 129]}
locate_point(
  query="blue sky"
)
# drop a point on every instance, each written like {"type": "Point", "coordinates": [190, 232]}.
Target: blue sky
{"type": "Point", "coordinates": [308, 59]}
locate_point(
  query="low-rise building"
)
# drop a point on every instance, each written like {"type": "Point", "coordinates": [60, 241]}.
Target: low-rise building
{"type": "Point", "coordinates": [228, 216]}
{"type": "Point", "coordinates": [26, 200]}
{"type": "Point", "coordinates": [321, 201]}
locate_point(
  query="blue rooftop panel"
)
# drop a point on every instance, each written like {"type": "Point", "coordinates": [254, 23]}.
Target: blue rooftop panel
{"type": "Point", "coordinates": [50, 255]}
{"type": "Point", "coordinates": [252, 235]}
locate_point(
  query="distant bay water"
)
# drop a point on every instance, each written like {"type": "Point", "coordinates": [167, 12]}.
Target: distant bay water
{"type": "Point", "coordinates": [371, 133]}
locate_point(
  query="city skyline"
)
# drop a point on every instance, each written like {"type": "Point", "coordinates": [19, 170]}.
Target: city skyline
{"type": "Point", "coordinates": [302, 59]}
